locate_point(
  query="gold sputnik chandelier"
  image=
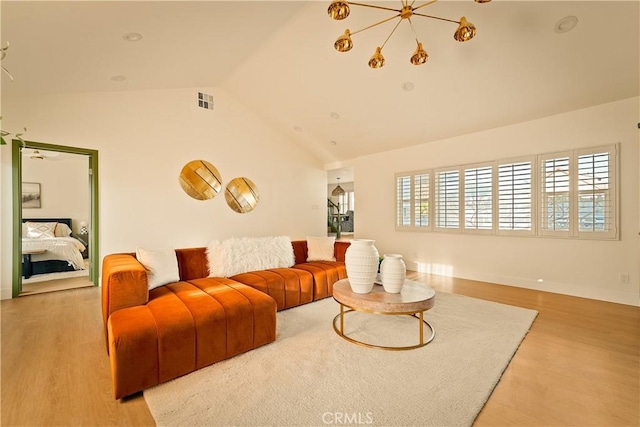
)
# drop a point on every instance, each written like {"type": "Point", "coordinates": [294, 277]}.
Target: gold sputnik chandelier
{"type": "Point", "coordinates": [339, 10]}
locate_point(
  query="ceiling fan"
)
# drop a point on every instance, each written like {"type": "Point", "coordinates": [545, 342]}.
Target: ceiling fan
{"type": "Point", "coordinates": [36, 154]}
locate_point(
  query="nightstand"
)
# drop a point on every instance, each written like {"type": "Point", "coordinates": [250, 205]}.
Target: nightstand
{"type": "Point", "coordinates": [84, 238]}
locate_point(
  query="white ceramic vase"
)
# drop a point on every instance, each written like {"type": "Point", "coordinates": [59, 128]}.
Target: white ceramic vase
{"type": "Point", "coordinates": [393, 271]}
{"type": "Point", "coordinates": [361, 260]}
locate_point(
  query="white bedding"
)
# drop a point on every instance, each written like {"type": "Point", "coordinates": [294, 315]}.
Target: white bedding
{"type": "Point", "coordinates": [57, 248]}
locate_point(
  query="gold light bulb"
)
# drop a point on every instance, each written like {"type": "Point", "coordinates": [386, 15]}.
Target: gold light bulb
{"type": "Point", "coordinates": [466, 30]}
{"type": "Point", "coordinates": [420, 56]}
{"type": "Point", "coordinates": [377, 60]}
{"type": "Point", "coordinates": [344, 42]}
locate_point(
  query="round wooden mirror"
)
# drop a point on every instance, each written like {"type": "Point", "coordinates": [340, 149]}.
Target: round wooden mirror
{"type": "Point", "coordinates": [242, 195]}
{"type": "Point", "coordinates": [200, 180]}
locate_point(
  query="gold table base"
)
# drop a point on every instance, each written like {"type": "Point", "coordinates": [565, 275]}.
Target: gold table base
{"type": "Point", "coordinates": [418, 315]}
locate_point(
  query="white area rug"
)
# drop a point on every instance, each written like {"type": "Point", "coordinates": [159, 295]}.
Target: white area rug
{"type": "Point", "coordinates": [311, 376]}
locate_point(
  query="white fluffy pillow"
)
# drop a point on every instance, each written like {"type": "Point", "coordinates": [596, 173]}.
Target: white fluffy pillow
{"type": "Point", "coordinates": [62, 230]}
{"type": "Point", "coordinates": [161, 266]}
{"type": "Point", "coordinates": [320, 248]}
{"type": "Point", "coordinates": [216, 259]}
{"type": "Point", "coordinates": [240, 255]}
{"type": "Point", "coordinates": [40, 230]}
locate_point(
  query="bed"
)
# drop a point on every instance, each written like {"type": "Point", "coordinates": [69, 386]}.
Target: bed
{"type": "Point", "coordinates": [48, 248]}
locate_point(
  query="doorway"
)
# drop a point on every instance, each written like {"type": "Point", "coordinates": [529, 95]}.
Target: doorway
{"type": "Point", "coordinates": [341, 203]}
{"type": "Point", "coordinates": [85, 228]}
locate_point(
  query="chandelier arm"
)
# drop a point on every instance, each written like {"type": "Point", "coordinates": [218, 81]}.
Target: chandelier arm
{"type": "Point", "coordinates": [413, 29]}
{"type": "Point", "coordinates": [422, 5]}
{"type": "Point", "coordinates": [376, 24]}
{"type": "Point", "coordinates": [436, 17]}
{"type": "Point", "coordinates": [392, 31]}
{"type": "Point", "coordinates": [374, 6]}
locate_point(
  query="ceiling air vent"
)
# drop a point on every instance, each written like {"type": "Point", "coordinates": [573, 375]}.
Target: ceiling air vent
{"type": "Point", "coordinates": [205, 101]}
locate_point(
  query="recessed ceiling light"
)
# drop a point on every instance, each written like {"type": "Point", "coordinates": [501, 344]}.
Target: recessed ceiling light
{"type": "Point", "coordinates": [335, 115]}
{"type": "Point", "coordinates": [132, 37]}
{"type": "Point", "coordinates": [566, 24]}
{"type": "Point", "coordinates": [118, 78]}
{"type": "Point", "coordinates": [297, 128]}
{"type": "Point", "coordinates": [408, 86]}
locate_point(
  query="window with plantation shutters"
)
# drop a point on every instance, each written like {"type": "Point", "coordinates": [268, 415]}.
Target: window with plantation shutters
{"type": "Point", "coordinates": [578, 193]}
{"type": "Point", "coordinates": [403, 201]}
{"type": "Point", "coordinates": [413, 204]}
{"type": "Point", "coordinates": [447, 199]}
{"type": "Point", "coordinates": [478, 198]}
{"type": "Point", "coordinates": [569, 194]}
{"type": "Point", "coordinates": [421, 193]}
{"type": "Point", "coordinates": [555, 185]}
{"type": "Point", "coordinates": [515, 197]}
{"type": "Point", "coordinates": [595, 192]}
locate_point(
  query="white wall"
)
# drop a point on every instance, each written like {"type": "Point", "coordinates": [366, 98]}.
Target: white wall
{"type": "Point", "coordinates": [64, 188]}
{"type": "Point", "coordinates": [582, 268]}
{"type": "Point", "coordinates": [144, 139]}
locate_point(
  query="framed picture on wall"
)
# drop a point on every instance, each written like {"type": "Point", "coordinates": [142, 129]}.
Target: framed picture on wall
{"type": "Point", "coordinates": [30, 195]}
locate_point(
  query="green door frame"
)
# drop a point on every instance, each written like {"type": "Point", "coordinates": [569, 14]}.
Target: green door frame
{"type": "Point", "coordinates": [16, 159]}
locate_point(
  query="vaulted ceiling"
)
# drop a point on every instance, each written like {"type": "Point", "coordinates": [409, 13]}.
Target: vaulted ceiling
{"type": "Point", "coordinates": [278, 59]}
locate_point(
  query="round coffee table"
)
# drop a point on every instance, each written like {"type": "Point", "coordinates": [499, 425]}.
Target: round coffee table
{"type": "Point", "coordinates": [414, 299]}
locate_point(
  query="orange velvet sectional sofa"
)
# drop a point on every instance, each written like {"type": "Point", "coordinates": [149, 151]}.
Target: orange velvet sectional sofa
{"type": "Point", "coordinates": [158, 335]}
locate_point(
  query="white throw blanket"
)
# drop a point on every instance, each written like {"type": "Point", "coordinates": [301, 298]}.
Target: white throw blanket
{"type": "Point", "coordinates": [240, 255]}
{"type": "Point", "coordinates": [56, 248]}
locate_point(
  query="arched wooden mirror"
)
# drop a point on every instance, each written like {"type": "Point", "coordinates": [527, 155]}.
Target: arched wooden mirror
{"type": "Point", "coordinates": [242, 195]}
{"type": "Point", "coordinates": [200, 180]}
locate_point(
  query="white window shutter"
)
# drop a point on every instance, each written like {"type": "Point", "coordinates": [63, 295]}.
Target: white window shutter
{"type": "Point", "coordinates": [478, 198]}
{"type": "Point", "coordinates": [555, 203]}
{"type": "Point", "coordinates": [515, 189]}
{"type": "Point", "coordinates": [447, 199]}
{"type": "Point", "coordinates": [596, 193]}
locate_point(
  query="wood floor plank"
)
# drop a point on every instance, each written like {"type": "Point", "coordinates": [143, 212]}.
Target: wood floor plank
{"type": "Point", "coordinates": [55, 370]}
{"type": "Point", "coordinates": [55, 285]}
{"type": "Point", "coordinates": [579, 364]}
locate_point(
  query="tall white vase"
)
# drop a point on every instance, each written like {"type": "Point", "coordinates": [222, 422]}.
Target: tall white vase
{"type": "Point", "coordinates": [361, 260]}
{"type": "Point", "coordinates": [393, 271]}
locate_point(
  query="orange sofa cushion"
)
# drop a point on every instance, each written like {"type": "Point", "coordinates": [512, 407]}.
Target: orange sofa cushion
{"type": "Point", "coordinates": [325, 274]}
{"type": "Point", "coordinates": [186, 326]}
{"type": "Point", "coordinates": [289, 287]}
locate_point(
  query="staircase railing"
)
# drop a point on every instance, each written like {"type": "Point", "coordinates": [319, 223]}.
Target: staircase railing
{"type": "Point", "coordinates": [333, 209]}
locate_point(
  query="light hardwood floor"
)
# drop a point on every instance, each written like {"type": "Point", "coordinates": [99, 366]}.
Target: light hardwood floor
{"type": "Point", "coordinates": [55, 285]}
{"type": "Point", "coordinates": [579, 364]}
